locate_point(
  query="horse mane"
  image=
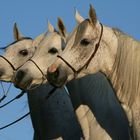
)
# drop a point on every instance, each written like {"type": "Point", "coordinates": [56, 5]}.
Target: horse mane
{"type": "Point", "coordinates": [126, 70]}
{"type": "Point", "coordinates": [23, 38]}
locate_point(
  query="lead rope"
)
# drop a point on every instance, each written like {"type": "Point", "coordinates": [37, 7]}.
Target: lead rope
{"type": "Point", "coordinates": [21, 118]}
{"type": "Point", "coordinates": [50, 93]}
{"type": "Point", "coordinates": [4, 96]}
{"type": "Point", "coordinates": [4, 91]}
{"type": "Point", "coordinates": [17, 97]}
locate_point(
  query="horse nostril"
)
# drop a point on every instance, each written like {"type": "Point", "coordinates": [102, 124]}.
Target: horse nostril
{"type": "Point", "coordinates": [52, 76]}
{"type": "Point", "coordinates": [53, 68]}
{"type": "Point", "coordinates": [20, 74]}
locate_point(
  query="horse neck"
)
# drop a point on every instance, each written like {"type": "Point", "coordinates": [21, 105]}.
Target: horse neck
{"type": "Point", "coordinates": [125, 73]}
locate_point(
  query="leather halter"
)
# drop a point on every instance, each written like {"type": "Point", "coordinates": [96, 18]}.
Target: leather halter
{"type": "Point", "coordinates": [88, 61]}
{"type": "Point", "coordinates": [12, 66]}
{"type": "Point", "coordinates": [43, 75]}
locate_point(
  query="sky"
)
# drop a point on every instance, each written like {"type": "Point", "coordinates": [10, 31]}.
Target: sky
{"type": "Point", "coordinates": [31, 17]}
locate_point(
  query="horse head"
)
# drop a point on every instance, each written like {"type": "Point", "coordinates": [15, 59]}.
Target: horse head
{"type": "Point", "coordinates": [93, 50]}
{"type": "Point", "coordinates": [16, 54]}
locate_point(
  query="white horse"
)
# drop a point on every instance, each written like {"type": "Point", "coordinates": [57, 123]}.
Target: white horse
{"type": "Point", "coordinates": [34, 71]}
{"type": "Point", "coordinates": [47, 118]}
{"type": "Point", "coordinates": [101, 48]}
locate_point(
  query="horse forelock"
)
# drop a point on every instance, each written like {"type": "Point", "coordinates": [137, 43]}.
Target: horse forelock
{"type": "Point", "coordinates": [81, 29]}
{"type": "Point", "coordinates": [126, 70]}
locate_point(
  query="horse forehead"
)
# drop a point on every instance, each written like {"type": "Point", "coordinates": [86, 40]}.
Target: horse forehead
{"type": "Point", "coordinates": [52, 40]}
{"type": "Point", "coordinates": [84, 29]}
{"type": "Point", "coordinates": [20, 44]}
{"type": "Point", "coordinates": [55, 38]}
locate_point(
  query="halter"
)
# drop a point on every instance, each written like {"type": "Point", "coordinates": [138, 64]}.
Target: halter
{"type": "Point", "coordinates": [12, 66]}
{"type": "Point", "coordinates": [76, 72]}
{"type": "Point", "coordinates": [43, 75]}
{"type": "Point", "coordinates": [5, 92]}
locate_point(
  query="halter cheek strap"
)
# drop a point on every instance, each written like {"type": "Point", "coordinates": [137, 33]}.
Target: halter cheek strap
{"type": "Point", "coordinates": [88, 61]}
{"type": "Point", "coordinates": [12, 66]}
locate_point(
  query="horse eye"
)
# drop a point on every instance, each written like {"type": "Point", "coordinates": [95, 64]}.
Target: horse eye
{"type": "Point", "coordinates": [53, 51]}
{"type": "Point", "coordinates": [85, 42]}
{"type": "Point", "coordinates": [23, 52]}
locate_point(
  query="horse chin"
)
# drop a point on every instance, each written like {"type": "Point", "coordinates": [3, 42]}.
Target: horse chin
{"type": "Point", "coordinates": [59, 82]}
{"type": "Point", "coordinates": [23, 85]}
{"type": "Point", "coordinates": [5, 79]}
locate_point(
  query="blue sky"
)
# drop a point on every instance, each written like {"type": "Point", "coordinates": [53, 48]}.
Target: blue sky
{"type": "Point", "coordinates": [31, 17]}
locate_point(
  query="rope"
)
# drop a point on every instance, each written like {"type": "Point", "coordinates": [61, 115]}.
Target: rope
{"type": "Point", "coordinates": [15, 121]}
{"type": "Point", "coordinates": [17, 97]}
{"type": "Point", "coordinates": [4, 91]}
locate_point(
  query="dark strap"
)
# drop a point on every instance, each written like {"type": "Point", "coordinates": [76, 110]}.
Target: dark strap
{"type": "Point", "coordinates": [51, 92]}
{"type": "Point", "coordinates": [15, 121]}
{"type": "Point", "coordinates": [5, 93]}
{"type": "Point", "coordinates": [17, 97]}
{"type": "Point", "coordinates": [2, 98]}
{"type": "Point", "coordinates": [38, 68]}
{"type": "Point", "coordinates": [67, 63]}
{"type": "Point", "coordinates": [8, 62]}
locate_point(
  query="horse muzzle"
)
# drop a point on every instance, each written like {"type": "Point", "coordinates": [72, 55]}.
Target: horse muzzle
{"type": "Point", "coordinates": [56, 77]}
{"type": "Point", "coordinates": [22, 79]}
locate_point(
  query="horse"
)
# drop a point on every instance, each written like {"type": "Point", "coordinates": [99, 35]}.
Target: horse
{"type": "Point", "coordinates": [34, 71]}
{"type": "Point", "coordinates": [97, 47]}
{"type": "Point", "coordinates": [47, 118]}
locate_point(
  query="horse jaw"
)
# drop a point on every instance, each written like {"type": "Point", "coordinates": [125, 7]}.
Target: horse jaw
{"type": "Point", "coordinates": [7, 73]}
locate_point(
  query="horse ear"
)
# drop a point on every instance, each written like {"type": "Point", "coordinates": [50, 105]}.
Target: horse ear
{"type": "Point", "coordinates": [61, 27]}
{"type": "Point", "coordinates": [92, 15]}
{"type": "Point", "coordinates": [17, 34]}
{"type": "Point", "coordinates": [78, 17]}
{"type": "Point", "coordinates": [50, 27]}
{"type": "Point", "coordinates": [38, 39]}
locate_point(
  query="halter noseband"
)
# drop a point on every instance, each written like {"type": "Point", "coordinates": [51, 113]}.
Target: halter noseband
{"type": "Point", "coordinates": [43, 76]}
{"type": "Point", "coordinates": [88, 61]}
